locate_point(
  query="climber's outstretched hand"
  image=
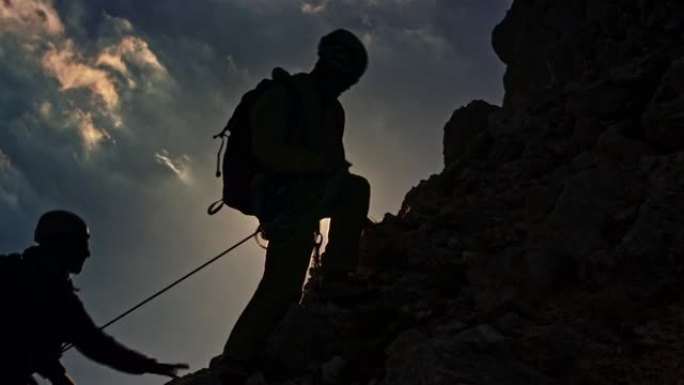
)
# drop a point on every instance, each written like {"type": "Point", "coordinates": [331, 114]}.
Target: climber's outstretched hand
{"type": "Point", "coordinates": [168, 370]}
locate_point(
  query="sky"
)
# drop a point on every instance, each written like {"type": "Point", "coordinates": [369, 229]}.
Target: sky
{"type": "Point", "coordinates": [107, 108]}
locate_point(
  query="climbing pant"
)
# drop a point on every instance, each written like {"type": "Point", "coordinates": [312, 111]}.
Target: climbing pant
{"type": "Point", "coordinates": [344, 199]}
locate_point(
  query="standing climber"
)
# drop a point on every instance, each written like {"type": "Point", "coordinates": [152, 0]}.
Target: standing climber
{"type": "Point", "coordinates": [41, 311]}
{"type": "Point", "coordinates": [297, 129]}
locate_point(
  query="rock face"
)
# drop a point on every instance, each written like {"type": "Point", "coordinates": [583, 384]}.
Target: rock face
{"type": "Point", "coordinates": [550, 248]}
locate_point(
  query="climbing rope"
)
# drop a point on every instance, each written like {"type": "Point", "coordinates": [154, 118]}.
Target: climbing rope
{"type": "Point", "coordinates": [258, 236]}
{"type": "Point", "coordinates": [175, 283]}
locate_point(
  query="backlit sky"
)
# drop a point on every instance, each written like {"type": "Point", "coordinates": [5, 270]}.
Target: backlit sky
{"type": "Point", "coordinates": [107, 108]}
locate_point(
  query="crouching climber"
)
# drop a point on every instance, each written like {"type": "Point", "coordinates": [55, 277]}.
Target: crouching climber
{"type": "Point", "coordinates": [41, 311]}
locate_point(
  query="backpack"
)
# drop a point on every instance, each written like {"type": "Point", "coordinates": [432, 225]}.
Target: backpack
{"type": "Point", "coordinates": [240, 165]}
{"type": "Point", "coordinates": [9, 267]}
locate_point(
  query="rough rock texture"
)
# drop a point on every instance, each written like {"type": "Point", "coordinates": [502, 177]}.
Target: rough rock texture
{"type": "Point", "coordinates": [550, 248]}
{"type": "Point", "coordinates": [465, 124]}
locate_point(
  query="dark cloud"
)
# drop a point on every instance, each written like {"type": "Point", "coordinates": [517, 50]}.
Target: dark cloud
{"type": "Point", "coordinates": [5, 163]}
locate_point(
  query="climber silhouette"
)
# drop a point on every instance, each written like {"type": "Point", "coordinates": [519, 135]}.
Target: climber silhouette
{"type": "Point", "coordinates": [41, 310]}
{"type": "Point", "coordinates": [306, 177]}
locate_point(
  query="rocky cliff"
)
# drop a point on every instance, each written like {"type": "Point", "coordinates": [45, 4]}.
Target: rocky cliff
{"type": "Point", "coordinates": [550, 248]}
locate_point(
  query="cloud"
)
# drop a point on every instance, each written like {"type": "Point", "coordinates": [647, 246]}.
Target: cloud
{"type": "Point", "coordinates": [313, 7]}
{"type": "Point", "coordinates": [138, 51]}
{"type": "Point", "coordinates": [119, 24]}
{"type": "Point", "coordinates": [113, 61]}
{"type": "Point", "coordinates": [180, 165]}
{"type": "Point", "coordinates": [96, 77]}
{"type": "Point", "coordinates": [131, 49]}
{"type": "Point", "coordinates": [33, 17]}
{"type": "Point", "coordinates": [5, 163]}
{"type": "Point", "coordinates": [9, 198]}
{"type": "Point", "coordinates": [12, 184]}
{"type": "Point", "coordinates": [91, 135]}
{"type": "Point", "coordinates": [45, 109]}
{"type": "Point", "coordinates": [73, 71]}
